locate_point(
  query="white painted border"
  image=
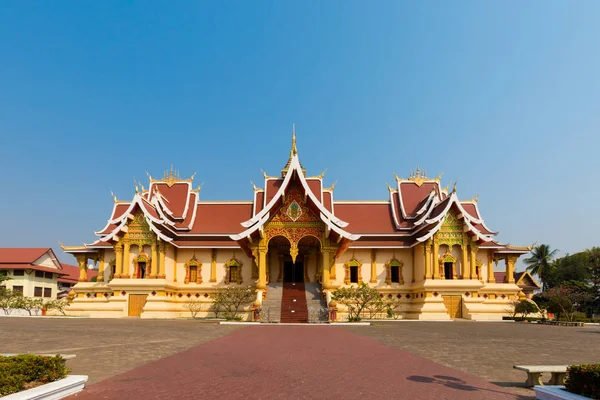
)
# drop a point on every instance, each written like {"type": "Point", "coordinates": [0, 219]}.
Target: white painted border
{"type": "Point", "coordinates": [52, 391]}
{"type": "Point", "coordinates": [555, 393]}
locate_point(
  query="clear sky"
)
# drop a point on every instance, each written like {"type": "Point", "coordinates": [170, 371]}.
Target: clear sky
{"type": "Point", "coordinates": [503, 96]}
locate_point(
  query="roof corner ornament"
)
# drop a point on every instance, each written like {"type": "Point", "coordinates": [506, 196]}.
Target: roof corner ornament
{"type": "Point", "coordinates": [323, 174]}
{"type": "Point", "coordinates": [439, 177]}
{"type": "Point", "coordinates": [332, 186]}
{"type": "Point", "coordinates": [256, 189]}
{"type": "Point", "coordinates": [391, 189]}
{"type": "Point", "coordinates": [533, 245]}
{"type": "Point", "coordinates": [454, 188]}
{"type": "Point", "coordinates": [113, 196]}
{"type": "Point", "coordinates": [476, 198]}
{"type": "Point", "coordinates": [398, 179]}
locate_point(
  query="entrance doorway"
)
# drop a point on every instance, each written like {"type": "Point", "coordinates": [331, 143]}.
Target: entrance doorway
{"type": "Point", "coordinates": [293, 272]}
{"type": "Point", "coordinates": [453, 306]}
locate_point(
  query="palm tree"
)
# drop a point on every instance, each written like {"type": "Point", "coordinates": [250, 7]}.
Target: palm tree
{"type": "Point", "coordinates": [539, 262]}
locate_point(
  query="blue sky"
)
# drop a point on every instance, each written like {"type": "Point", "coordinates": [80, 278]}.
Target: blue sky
{"type": "Point", "coordinates": [504, 97]}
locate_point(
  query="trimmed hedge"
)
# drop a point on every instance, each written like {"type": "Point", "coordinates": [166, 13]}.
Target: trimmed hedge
{"type": "Point", "coordinates": [17, 371]}
{"type": "Point", "coordinates": [584, 380]}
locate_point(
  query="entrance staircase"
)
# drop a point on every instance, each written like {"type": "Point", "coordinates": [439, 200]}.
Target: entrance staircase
{"type": "Point", "coordinates": [293, 303]}
{"type": "Point", "coordinates": [271, 306]}
{"type": "Point", "coordinates": [279, 306]}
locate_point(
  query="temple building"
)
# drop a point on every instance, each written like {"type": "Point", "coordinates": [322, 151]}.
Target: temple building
{"type": "Point", "coordinates": [422, 245]}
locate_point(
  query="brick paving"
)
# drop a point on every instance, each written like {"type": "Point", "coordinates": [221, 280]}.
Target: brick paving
{"type": "Point", "coordinates": [266, 360]}
{"type": "Point", "coordinates": [490, 349]}
{"type": "Point", "coordinates": [294, 362]}
{"type": "Point", "coordinates": [105, 347]}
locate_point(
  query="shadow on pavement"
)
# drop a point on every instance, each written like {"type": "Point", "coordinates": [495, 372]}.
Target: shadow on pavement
{"type": "Point", "coordinates": [459, 384]}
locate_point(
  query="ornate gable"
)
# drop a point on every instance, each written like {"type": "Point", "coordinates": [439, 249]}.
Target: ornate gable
{"type": "Point", "coordinates": [138, 230]}
{"type": "Point", "coordinates": [451, 231]}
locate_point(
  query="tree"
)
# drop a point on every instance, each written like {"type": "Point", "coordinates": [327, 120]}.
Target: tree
{"type": "Point", "coordinates": [27, 303]}
{"type": "Point", "coordinates": [229, 300]}
{"type": "Point", "coordinates": [391, 306]}
{"type": "Point", "coordinates": [7, 300]}
{"type": "Point", "coordinates": [525, 307]}
{"type": "Point", "coordinates": [193, 305]}
{"type": "Point", "coordinates": [3, 277]}
{"type": "Point", "coordinates": [539, 262]}
{"type": "Point", "coordinates": [356, 299]}
{"type": "Point", "coordinates": [58, 305]}
{"type": "Point", "coordinates": [512, 308]}
{"type": "Point", "coordinates": [594, 269]}
{"type": "Point", "coordinates": [566, 299]}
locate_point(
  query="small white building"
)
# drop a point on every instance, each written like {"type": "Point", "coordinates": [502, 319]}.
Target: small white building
{"type": "Point", "coordinates": [34, 272]}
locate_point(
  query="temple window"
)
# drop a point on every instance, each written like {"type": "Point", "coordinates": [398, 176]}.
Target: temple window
{"type": "Point", "coordinates": [353, 274]}
{"type": "Point", "coordinates": [193, 270]}
{"type": "Point", "coordinates": [233, 271]}
{"type": "Point", "coordinates": [393, 272]}
{"type": "Point", "coordinates": [448, 270]}
{"type": "Point", "coordinates": [447, 265]}
{"type": "Point", "coordinates": [141, 263]}
{"type": "Point", "coordinates": [141, 271]}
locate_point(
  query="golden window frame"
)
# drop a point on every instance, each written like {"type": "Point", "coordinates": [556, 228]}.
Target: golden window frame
{"type": "Point", "coordinates": [394, 262]}
{"type": "Point", "coordinates": [234, 262]}
{"type": "Point", "coordinates": [193, 262]}
{"type": "Point", "coordinates": [353, 262]}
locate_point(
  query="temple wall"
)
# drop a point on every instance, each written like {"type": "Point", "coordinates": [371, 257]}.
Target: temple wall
{"type": "Point", "coordinates": [419, 261]}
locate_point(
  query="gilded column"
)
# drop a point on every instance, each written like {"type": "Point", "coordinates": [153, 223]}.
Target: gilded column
{"type": "Point", "coordinates": [118, 260]}
{"type": "Point", "coordinates": [82, 261]}
{"type": "Point", "coordinates": [490, 267]}
{"type": "Point", "coordinates": [464, 263]}
{"type": "Point", "coordinates": [213, 265]}
{"type": "Point", "coordinates": [174, 264]}
{"type": "Point", "coordinates": [428, 259]}
{"type": "Point", "coordinates": [262, 268]}
{"type": "Point", "coordinates": [126, 260]}
{"type": "Point", "coordinates": [436, 260]}
{"type": "Point", "coordinates": [474, 261]}
{"type": "Point", "coordinates": [510, 268]}
{"type": "Point", "coordinates": [373, 266]}
{"type": "Point", "coordinates": [325, 265]}
{"type": "Point", "coordinates": [100, 266]}
{"type": "Point", "coordinates": [161, 260]}
{"type": "Point", "coordinates": [153, 261]}
{"type": "Point", "coordinates": [413, 263]}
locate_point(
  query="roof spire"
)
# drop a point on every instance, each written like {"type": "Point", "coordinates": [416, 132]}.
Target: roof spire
{"type": "Point", "coordinates": [294, 149]}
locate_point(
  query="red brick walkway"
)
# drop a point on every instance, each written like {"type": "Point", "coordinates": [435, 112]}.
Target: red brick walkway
{"type": "Point", "coordinates": [294, 362]}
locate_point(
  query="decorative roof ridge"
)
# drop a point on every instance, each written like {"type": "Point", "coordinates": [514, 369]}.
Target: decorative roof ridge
{"type": "Point", "coordinates": [122, 220]}
{"type": "Point", "coordinates": [294, 166]}
{"type": "Point", "coordinates": [419, 178]}
{"type": "Point", "coordinates": [225, 202]}
{"type": "Point", "coordinates": [361, 201]}
{"type": "Point", "coordinates": [171, 177]}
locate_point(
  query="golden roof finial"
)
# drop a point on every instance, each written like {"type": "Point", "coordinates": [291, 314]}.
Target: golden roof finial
{"type": "Point", "coordinates": [294, 149]}
{"type": "Point", "coordinates": [454, 188]}
{"type": "Point", "coordinates": [391, 189]}
{"type": "Point", "coordinates": [254, 186]}
{"type": "Point", "coordinates": [439, 177]}
{"type": "Point", "coordinates": [113, 196]}
{"type": "Point", "coordinates": [323, 174]}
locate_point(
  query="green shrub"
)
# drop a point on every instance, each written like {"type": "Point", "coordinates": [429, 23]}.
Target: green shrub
{"type": "Point", "coordinates": [16, 371]}
{"type": "Point", "coordinates": [584, 380]}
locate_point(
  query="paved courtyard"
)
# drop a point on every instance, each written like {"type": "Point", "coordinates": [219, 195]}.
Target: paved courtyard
{"type": "Point", "coordinates": [183, 358]}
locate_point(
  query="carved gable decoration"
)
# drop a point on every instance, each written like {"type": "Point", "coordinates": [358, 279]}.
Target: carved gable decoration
{"type": "Point", "coordinates": [294, 209]}
{"type": "Point", "coordinates": [451, 231]}
{"type": "Point", "coordinates": [138, 230]}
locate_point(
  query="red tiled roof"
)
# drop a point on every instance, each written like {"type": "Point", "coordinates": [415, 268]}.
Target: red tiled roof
{"type": "Point", "coordinates": [412, 194]}
{"type": "Point", "coordinates": [21, 255]}
{"type": "Point", "coordinates": [71, 274]}
{"type": "Point", "coordinates": [221, 218]}
{"type": "Point", "coordinates": [366, 218]}
{"type": "Point", "coordinates": [177, 197]}
{"type": "Point", "coordinates": [32, 267]}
